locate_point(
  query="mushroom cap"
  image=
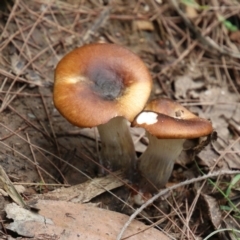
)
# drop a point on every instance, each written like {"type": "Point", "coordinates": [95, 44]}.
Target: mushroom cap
{"type": "Point", "coordinates": [97, 82]}
{"type": "Point", "coordinates": [164, 118]}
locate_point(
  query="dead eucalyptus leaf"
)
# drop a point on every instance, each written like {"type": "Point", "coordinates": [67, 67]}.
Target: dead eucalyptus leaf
{"type": "Point", "coordinates": [213, 210]}
{"type": "Point", "coordinates": [66, 220]}
{"type": "Point", "coordinates": [84, 192]}
{"type": "Point", "coordinates": [6, 184]}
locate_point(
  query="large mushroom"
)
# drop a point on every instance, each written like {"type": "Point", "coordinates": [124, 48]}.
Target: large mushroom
{"type": "Point", "coordinates": [103, 85]}
{"type": "Point", "coordinates": [168, 125]}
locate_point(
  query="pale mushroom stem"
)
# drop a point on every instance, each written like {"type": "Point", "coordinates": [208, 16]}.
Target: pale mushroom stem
{"type": "Point", "coordinates": [117, 148]}
{"type": "Point", "coordinates": [156, 163]}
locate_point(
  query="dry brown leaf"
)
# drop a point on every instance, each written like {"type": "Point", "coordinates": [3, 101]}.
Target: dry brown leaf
{"type": "Point", "coordinates": [34, 79]}
{"type": "Point", "coordinates": [6, 184]}
{"type": "Point", "coordinates": [191, 12]}
{"type": "Point", "coordinates": [78, 221]}
{"type": "Point", "coordinates": [17, 64]}
{"type": "Point", "coordinates": [231, 156]}
{"type": "Point", "coordinates": [207, 157]}
{"type": "Point", "coordinates": [143, 25]}
{"type": "Point", "coordinates": [222, 107]}
{"type": "Point", "coordinates": [84, 192]}
{"type": "Point", "coordinates": [232, 224]}
{"type": "Point", "coordinates": [235, 36]}
{"type": "Point", "coordinates": [185, 83]}
{"type": "Point", "coordinates": [137, 135]}
{"type": "Point", "coordinates": [213, 210]}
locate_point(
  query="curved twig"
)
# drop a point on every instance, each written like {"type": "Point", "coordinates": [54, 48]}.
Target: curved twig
{"type": "Point", "coordinates": [165, 191]}
{"type": "Point", "coordinates": [207, 41]}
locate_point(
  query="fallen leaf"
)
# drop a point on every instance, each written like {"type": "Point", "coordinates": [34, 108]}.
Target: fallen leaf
{"type": "Point", "coordinates": [191, 12]}
{"type": "Point", "coordinates": [84, 192]}
{"type": "Point", "coordinates": [235, 36]}
{"type": "Point", "coordinates": [17, 64]}
{"type": "Point", "coordinates": [6, 184]}
{"type": "Point", "coordinates": [222, 107]}
{"type": "Point", "coordinates": [185, 83]}
{"type": "Point", "coordinates": [79, 221]}
{"type": "Point", "coordinates": [233, 225]}
{"type": "Point", "coordinates": [213, 210]}
{"type": "Point", "coordinates": [34, 79]}
{"type": "Point", "coordinates": [143, 25]}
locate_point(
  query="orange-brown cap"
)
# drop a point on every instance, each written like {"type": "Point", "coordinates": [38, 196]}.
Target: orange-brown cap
{"type": "Point", "coordinates": [97, 82]}
{"type": "Point", "coordinates": [165, 118]}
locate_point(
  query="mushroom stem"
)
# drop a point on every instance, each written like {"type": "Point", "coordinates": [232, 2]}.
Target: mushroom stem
{"type": "Point", "coordinates": [117, 148]}
{"type": "Point", "coordinates": [156, 163]}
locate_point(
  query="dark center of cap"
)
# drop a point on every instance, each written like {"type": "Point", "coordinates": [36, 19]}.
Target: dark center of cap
{"type": "Point", "coordinates": [106, 83]}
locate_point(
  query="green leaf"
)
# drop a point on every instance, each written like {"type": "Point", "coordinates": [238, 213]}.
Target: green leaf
{"type": "Point", "coordinates": [231, 27]}
{"type": "Point", "coordinates": [191, 3]}
{"type": "Point", "coordinates": [232, 183]}
{"type": "Point", "coordinates": [194, 4]}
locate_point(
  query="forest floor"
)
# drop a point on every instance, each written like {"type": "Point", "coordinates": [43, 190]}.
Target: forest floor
{"type": "Point", "coordinates": [192, 50]}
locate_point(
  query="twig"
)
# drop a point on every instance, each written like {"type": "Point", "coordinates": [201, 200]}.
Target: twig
{"type": "Point", "coordinates": [51, 23]}
{"type": "Point", "coordinates": [41, 184]}
{"type": "Point", "coordinates": [6, 184]}
{"type": "Point", "coordinates": [9, 18]}
{"type": "Point", "coordinates": [17, 76]}
{"type": "Point", "coordinates": [9, 99]}
{"type": "Point", "coordinates": [19, 79]}
{"type": "Point", "coordinates": [28, 159]}
{"type": "Point", "coordinates": [26, 120]}
{"type": "Point", "coordinates": [104, 15]}
{"type": "Point", "coordinates": [35, 160]}
{"type": "Point", "coordinates": [13, 133]}
{"type": "Point", "coordinates": [204, 40]}
{"type": "Point", "coordinates": [50, 123]}
{"type": "Point", "coordinates": [167, 190]}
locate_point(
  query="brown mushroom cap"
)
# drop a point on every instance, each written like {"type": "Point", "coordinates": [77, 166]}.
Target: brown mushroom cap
{"type": "Point", "coordinates": [98, 82]}
{"type": "Point", "coordinates": [164, 118]}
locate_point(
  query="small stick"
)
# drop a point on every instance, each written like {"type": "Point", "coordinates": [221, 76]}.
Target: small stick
{"type": "Point", "coordinates": [35, 160]}
{"type": "Point", "coordinates": [165, 191]}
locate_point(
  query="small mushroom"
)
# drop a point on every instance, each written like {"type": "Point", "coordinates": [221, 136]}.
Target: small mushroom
{"type": "Point", "coordinates": [168, 125]}
{"type": "Point", "coordinates": [103, 85]}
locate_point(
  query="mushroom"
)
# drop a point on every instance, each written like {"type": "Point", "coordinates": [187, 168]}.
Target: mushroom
{"type": "Point", "coordinates": [168, 125]}
{"type": "Point", "coordinates": [103, 85]}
